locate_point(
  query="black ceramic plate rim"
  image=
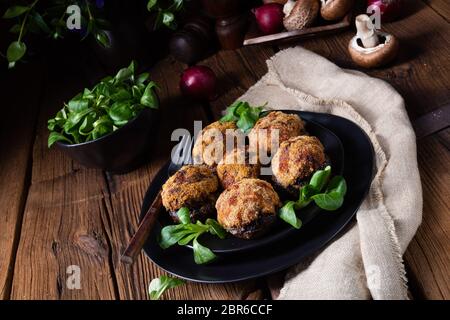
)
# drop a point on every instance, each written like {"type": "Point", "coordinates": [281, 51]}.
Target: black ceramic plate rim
{"type": "Point", "coordinates": [124, 127]}
{"type": "Point", "coordinates": [289, 257]}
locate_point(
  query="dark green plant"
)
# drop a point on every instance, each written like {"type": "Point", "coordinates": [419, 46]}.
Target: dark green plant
{"type": "Point", "coordinates": [48, 18]}
{"type": "Point", "coordinates": [165, 15]}
{"type": "Point", "coordinates": [186, 232]}
{"type": "Point", "coordinates": [111, 104]}
{"type": "Point", "coordinates": [331, 199]}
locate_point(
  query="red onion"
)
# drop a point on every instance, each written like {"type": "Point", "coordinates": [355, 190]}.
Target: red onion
{"type": "Point", "coordinates": [389, 9]}
{"type": "Point", "coordinates": [199, 82]}
{"type": "Point", "coordinates": [270, 18]}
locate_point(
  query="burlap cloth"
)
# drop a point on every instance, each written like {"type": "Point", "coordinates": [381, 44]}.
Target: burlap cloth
{"type": "Point", "coordinates": [366, 261]}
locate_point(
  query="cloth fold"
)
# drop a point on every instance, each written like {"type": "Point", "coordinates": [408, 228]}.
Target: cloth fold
{"type": "Point", "coordinates": [366, 261]}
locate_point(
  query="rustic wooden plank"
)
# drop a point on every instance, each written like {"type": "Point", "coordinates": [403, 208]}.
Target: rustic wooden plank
{"type": "Point", "coordinates": [63, 226]}
{"type": "Point", "coordinates": [444, 138]}
{"type": "Point", "coordinates": [127, 192]}
{"type": "Point", "coordinates": [428, 255]}
{"type": "Point", "coordinates": [442, 7]}
{"type": "Point", "coordinates": [63, 223]}
{"type": "Point", "coordinates": [432, 122]}
{"type": "Point", "coordinates": [17, 126]}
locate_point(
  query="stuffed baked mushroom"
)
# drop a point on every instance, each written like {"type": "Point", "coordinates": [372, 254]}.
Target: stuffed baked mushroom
{"type": "Point", "coordinates": [210, 146]}
{"type": "Point", "coordinates": [193, 186]}
{"type": "Point", "coordinates": [296, 161]}
{"type": "Point", "coordinates": [237, 165]}
{"type": "Point", "coordinates": [248, 208]}
{"type": "Point", "coordinates": [263, 137]}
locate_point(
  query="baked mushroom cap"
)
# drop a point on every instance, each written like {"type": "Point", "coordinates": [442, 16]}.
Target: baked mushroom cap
{"type": "Point", "coordinates": [302, 14]}
{"type": "Point", "coordinates": [210, 146]}
{"type": "Point", "coordinates": [335, 9]}
{"type": "Point", "coordinates": [263, 135]}
{"type": "Point", "coordinates": [296, 161]}
{"type": "Point", "coordinates": [237, 166]}
{"type": "Point", "coordinates": [374, 57]}
{"type": "Point", "coordinates": [193, 186]}
{"type": "Point", "coordinates": [248, 208]}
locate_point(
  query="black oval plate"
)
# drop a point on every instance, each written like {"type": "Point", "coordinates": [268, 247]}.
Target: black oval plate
{"type": "Point", "coordinates": [277, 255]}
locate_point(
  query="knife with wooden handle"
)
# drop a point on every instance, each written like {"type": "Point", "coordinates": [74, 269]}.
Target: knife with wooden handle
{"type": "Point", "coordinates": [145, 227]}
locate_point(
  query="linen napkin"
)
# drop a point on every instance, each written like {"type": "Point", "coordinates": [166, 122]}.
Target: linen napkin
{"type": "Point", "coordinates": [366, 261]}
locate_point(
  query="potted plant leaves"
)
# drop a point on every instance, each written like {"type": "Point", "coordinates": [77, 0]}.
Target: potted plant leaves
{"type": "Point", "coordinates": [116, 30]}
{"type": "Point", "coordinates": [49, 20]}
{"type": "Point", "coordinates": [109, 126]}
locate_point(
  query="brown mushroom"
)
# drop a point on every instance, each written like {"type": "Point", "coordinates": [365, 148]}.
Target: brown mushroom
{"type": "Point", "coordinates": [275, 1]}
{"type": "Point", "coordinates": [335, 9]}
{"type": "Point", "coordinates": [288, 6]}
{"type": "Point", "coordinates": [370, 48]}
{"type": "Point", "coordinates": [302, 15]}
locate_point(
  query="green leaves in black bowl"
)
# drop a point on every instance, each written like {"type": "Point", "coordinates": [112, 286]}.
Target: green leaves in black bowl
{"type": "Point", "coordinates": [108, 106]}
{"type": "Point", "coordinates": [109, 126]}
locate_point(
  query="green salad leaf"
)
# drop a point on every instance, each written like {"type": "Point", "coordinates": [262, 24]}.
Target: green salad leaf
{"type": "Point", "coordinates": [287, 213]}
{"type": "Point", "coordinates": [184, 216]}
{"type": "Point", "coordinates": [216, 229]}
{"type": "Point", "coordinates": [111, 104]}
{"type": "Point", "coordinates": [320, 179]}
{"type": "Point", "coordinates": [243, 114]}
{"type": "Point", "coordinates": [159, 285]}
{"type": "Point", "coordinates": [187, 232]}
{"type": "Point", "coordinates": [202, 254]}
{"type": "Point", "coordinates": [56, 136]}
{"type": "Point", "coordinates": [331, 199]}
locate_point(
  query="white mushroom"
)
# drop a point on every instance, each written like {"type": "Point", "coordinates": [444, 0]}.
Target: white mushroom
{"type": "Point", "coordinates": [370, 48]}
{"type": "Point", "coordinates": [365, 30]}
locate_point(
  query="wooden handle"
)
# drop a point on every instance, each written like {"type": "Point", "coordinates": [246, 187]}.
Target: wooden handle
{"type": "Point", "coordinates": [137, 242]}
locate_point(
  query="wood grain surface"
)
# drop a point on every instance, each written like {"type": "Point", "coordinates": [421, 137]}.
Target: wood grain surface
{"type": "Point", "coordinates": [428, 255]}
{"type": "Point", "coordinates": [15, 159]}
{"type": "Point", "coordinates": [56, 213]}
{"type": "Point", "coordinates": [64, 217]}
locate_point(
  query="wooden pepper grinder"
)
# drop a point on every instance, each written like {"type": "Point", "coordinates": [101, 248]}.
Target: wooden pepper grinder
{"type": "Point", "coordinates": [231, 22]}
{"type": "Point", "coordinates": [194, 41]}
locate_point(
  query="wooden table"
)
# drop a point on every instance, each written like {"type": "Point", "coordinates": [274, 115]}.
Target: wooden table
{"type": "Point", "coordinates": [55, 213]}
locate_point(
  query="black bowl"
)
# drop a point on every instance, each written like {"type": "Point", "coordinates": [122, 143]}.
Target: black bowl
{"type": "Point", "coordinates": [120, 151]}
